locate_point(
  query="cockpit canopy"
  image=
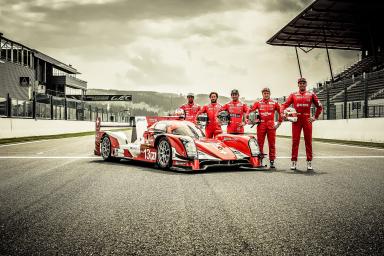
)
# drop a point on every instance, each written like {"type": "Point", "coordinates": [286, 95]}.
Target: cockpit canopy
{"type": "Point", "coordinates": [183, 128]}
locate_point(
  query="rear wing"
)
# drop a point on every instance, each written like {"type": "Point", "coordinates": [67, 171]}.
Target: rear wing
{"type": "Point", "coordinates": [99, 124]}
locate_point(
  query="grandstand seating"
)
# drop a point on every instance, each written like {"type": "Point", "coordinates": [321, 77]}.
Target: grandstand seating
{"type": "Point", "coordinates": [380, 95]}
{"type": "Point", "coordinates": [375, 82]}
{"type": "Point", "coordinates": [365, 65]}
{"type": "Point", "coordinates": [334, 89]}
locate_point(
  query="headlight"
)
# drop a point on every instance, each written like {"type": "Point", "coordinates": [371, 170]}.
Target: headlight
{"type": "Point", "coordinates": [190, 147]}
{"type": "Point", "coordinates": [254, 147]}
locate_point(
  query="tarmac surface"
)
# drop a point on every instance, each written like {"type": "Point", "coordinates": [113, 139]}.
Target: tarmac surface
{"type": "Point", "coordinates": [56, 198]}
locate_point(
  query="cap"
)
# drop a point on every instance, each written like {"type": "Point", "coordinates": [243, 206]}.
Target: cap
{"type": "Point", "coordinates": [190, 95]}
{"type": "Point", "coordinates": [265, 89]}
{"type": "Point", "coordinates": [302, 79]}
{"type": "Point", "coordinates": [234, 91]}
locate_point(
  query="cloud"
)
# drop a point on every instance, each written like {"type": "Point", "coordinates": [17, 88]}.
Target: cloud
{"type": "Point", "coordinates": [157, 66]}
{"type": "Point", "coordinates": [169, 45]}
{"type": "Point", "coordinates": [284, 5]}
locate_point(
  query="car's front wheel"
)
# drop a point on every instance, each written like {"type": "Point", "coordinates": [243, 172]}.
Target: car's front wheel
{"type": "Point", "coordinates": [105, 148]}
{"type": "Point", "coordinates": [164, 154]}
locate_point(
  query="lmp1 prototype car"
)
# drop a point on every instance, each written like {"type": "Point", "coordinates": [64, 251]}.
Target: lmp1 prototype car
{"type": "Point", "coordinates": [177, 144]}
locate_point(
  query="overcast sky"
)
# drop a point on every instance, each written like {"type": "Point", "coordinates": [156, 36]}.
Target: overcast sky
{"type": "Point", "coordinates": [170, 45]}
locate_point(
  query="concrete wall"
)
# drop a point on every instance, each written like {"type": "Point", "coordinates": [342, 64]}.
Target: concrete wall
{"type": "Point", "coordinates": [13, 127]}
{"type": "Point", "coordinates": [363, 129]}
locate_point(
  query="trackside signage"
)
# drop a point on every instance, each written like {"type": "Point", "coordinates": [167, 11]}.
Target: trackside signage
{"type": "Point", "coordinates": [101, 97]}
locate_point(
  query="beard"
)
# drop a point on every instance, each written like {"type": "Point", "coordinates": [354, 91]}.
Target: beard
{"type": "Point", "coordinates": [214, 101]}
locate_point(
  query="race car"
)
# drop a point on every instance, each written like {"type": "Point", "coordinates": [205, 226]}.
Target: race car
{"type": "Point", "coordinates": [173, 143]}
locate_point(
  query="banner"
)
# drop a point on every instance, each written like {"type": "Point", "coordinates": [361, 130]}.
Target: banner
{"type": "Point", "coordinates": [101, 97]}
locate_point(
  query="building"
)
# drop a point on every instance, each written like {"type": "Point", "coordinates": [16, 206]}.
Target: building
{"type": "Point", "coordinates": [24, 70]}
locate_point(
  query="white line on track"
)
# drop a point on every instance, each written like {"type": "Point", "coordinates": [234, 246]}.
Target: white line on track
{"type": "Point", "coordinates": [334, 157]}
{"type": "Point", "coordinates": [97, 157]}
{"type": "Point", "coordinates": [50, 157]}
{"type": "Point", "coordinates": [36, 141]}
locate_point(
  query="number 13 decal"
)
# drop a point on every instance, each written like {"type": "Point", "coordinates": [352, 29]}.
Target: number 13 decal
{"type": "Point", "coordinates": [149, 155]}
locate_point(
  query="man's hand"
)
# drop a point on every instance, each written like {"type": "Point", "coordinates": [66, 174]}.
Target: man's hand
{"type": "Point", "coordinates": [312, 119]}
{"type": "Point", "coordinates": [241, 124]}
{"type": "Point", "coordinates": [277, 125]}
{"type": "Point", "coordinates": [284, 117]}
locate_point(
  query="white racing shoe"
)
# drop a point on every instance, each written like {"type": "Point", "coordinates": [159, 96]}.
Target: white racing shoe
{"type": "Point", "coordinates": [309, 166]}
{"type": "Point", "coordinates": [293, 165]}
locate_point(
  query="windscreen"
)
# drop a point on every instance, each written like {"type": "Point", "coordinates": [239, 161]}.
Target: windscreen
{"type": "Point", "coordinates": [188, 130]}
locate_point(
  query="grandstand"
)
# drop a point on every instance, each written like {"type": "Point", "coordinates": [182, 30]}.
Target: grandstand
{"type": "Point", "coordinates": [345, 25]}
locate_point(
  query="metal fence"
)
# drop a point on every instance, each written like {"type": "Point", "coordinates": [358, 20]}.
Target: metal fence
{"type": "Point", "coordinates": [56, 108]}
{"type": "Point", "coordinates": [337, 111]}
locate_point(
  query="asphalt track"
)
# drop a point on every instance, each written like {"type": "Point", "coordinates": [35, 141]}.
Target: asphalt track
{"type": "Point", "coordinates": [57, 199]}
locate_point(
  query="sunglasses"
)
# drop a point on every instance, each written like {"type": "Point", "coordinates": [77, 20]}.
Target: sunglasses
{"type": "Point", "coordinates": [234, 94]}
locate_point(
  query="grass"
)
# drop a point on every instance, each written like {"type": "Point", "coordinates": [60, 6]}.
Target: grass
{"type": "Point", "coordinates": [47, 137]}
{"type": "Point", "coordinates": [347, 142]}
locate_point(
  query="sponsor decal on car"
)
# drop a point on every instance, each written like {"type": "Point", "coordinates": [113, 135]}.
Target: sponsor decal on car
{"type": "Point", "coordinates": [181, 163]}
{"type": "Point", "coordinates": [134, 149]}
{"type": "Point", "coordinates": [228, 138]}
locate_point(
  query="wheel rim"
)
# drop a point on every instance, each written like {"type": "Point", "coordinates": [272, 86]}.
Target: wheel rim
{"type": "Point", "coordinates": [163, 153]}
{"type": "Point", "coordinates": [105, 148]}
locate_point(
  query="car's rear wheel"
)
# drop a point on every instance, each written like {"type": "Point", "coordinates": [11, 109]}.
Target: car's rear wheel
{"type": "Point", "coordinates": [164, 155]}
{"type": "Point", "coordinates": [105, 148]}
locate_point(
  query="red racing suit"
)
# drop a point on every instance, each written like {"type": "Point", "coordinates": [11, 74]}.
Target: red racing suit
{"type": "Point", "coordinates": [190, 111]}
{"type": "Point", "coordinates": [236, 110]}
{"type": "Point", "coordinates": [213, 127]}
{"type": "Point", "coordinates": [266, 127]}
{"type": "Point", "coordinates": [302, 102]}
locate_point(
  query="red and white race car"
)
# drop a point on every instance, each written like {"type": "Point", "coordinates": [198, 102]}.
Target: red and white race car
{"type": "Point", "coordinates": [177, 144]}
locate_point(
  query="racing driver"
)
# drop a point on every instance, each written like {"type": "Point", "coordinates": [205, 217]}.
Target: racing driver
{"type": "Point", "coordinates": [236, 110]}
{"type": "Point", "coordinates": [190, 108]}
{"type": "Point", "coordinates": [302, 101]}
{"type": "Point", "coordinates": [213, 127]}
{"type": "Point", "coordinates": [267, 108]}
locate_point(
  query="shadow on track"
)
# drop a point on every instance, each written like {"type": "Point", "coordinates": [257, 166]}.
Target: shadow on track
{"type": "Point", "coordinates": [305, 172]}
{"type": "Point", "coordinates": [142, 166]}
{"type": "Point", "coordinates": [150, 167]}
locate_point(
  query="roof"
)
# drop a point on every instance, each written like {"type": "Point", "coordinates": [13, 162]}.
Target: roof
{"type": "Point", "coordinates": [57, 64]}
{"type": "Point", "coordinates": [335, 24]}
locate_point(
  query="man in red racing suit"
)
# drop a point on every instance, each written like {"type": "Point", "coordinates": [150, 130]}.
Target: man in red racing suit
{"type": "Point", "coordinates": [213, 126]}
{"type": "Point", "coordinates": [302, 101]}
{"type": "Point", "coordinates": [236, 110]}
{"type": "Point", "coordinates": [190, 108]}
{"type": "Point", "coordinates": [267, 127]}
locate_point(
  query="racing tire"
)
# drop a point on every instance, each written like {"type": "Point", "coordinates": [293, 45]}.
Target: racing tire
{"type": "Point", "coordinates": [105, 149]}
{"type": "Point", "coordinates": [164, 154]}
